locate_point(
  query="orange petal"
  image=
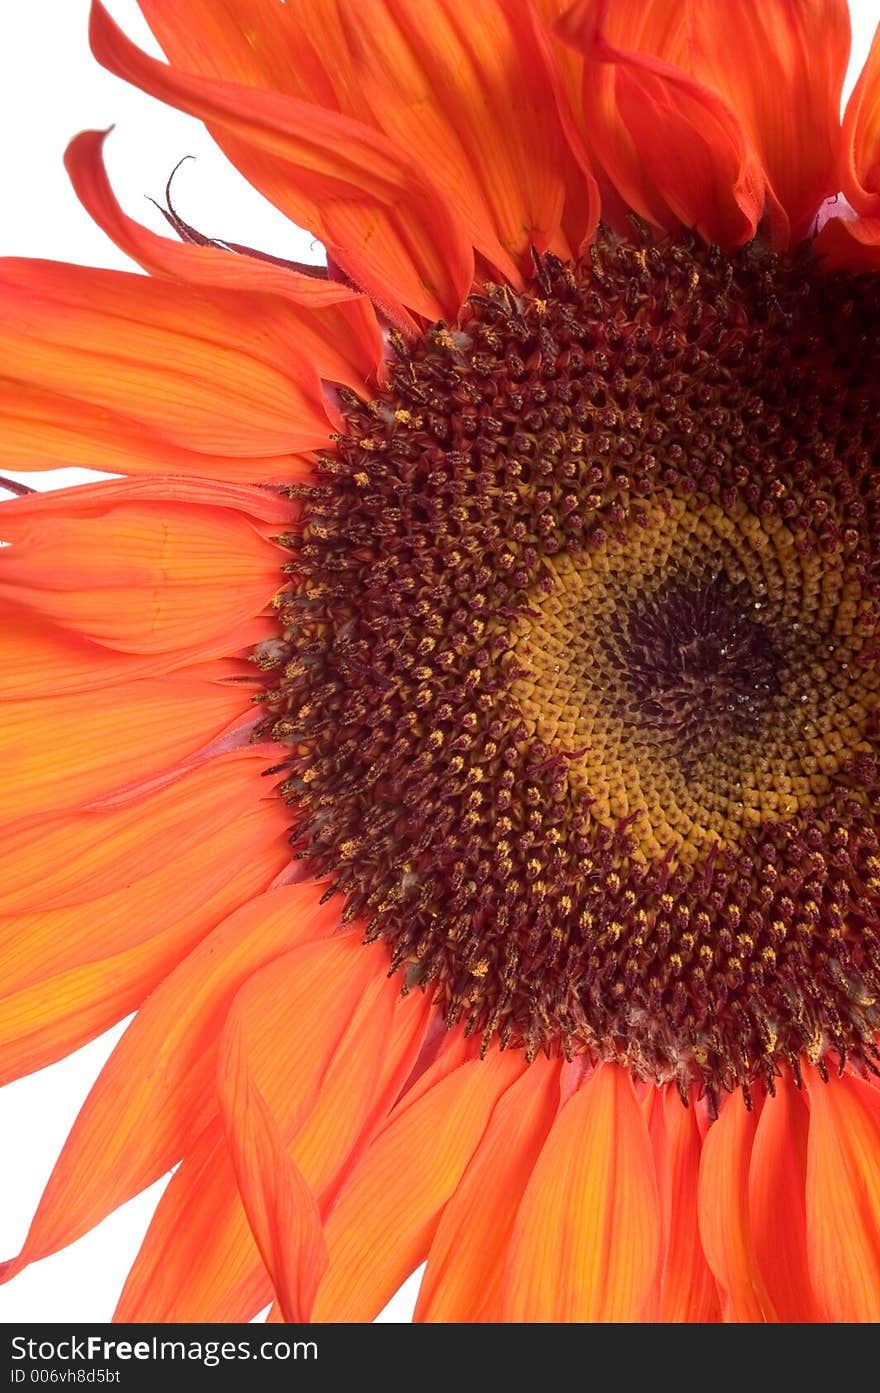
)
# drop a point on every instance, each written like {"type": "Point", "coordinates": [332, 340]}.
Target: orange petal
{"type": "Point", "coordinates": [155, 1093]}
{"type": "Point", "coordinates": [777, 1203]}
{"type": "Point", "coordinates": [204, 370]}
{"type": "Point", "coordinates": [188, 1265]}
{"type": "Point", "coordinates": [779, 65]}
{"type": "Point", "coordinates": [37, 658]}
{"type": "Point", "coordinates": [778, 68]}
{"type": "Point", "coordinates": [687, 1288]}
{"type": "Point", "coordinates": [199, 1260]}
{"type": "Point", "coordinates": [136, 567]}
{"type": "Point", "coordinates": [586, 1241]}
{"type": "Point", "coordinates": [302, 52]}
{"type": "Point", "coordinates": [281, 1209]}
{"type": "Point", "coordinates": [387, 1213]}
{"type": "Point", "coordinates": [379, 218]}
{"type": "Point", "coordinates": [334, 326]}
{"type": "Point", "coordinates": [76, 856]}
{"type": "Point", "coordinates": [725, 1225]}
{"type": "Point", "coordinates": [356, 1093]}
{"type": "Point", "coordinates": [843, 1197]}
{"type": "Point", "coordinates": [320, 1081]}
{"type": "Point", "coordinates": [71, 971]}
{"type": "Point", "coordinates": [443, 80]}
{"type": "Point", "coordinates": [672, 147]}
{"type": "Point", "coordinates": [462, 1281]}
{"type": "Point", "coordinates": [108, 737]}
{"type": "Point", "coordinates": [860, 144]}
{"type": "Point", "coordinates": [46, 429]}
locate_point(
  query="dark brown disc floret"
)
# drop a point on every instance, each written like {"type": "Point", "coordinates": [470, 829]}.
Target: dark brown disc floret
{"type": "Point", "coordinates": [578, 664]}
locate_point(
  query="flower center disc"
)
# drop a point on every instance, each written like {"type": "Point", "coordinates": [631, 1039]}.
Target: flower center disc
{"type": "Point", "coordinates": [579, 664]}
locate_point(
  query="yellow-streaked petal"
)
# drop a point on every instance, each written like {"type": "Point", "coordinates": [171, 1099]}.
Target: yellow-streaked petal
{"type": "Point", "coordinates": [586, 1242]}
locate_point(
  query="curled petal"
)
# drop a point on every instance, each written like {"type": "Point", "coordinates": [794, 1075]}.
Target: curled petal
{"type": "Point", "coordinates": [334, 326]}
{"type": "Point", "coordinates": [672, 147]}
{"type": "Point", "coordinates": [850, 244]}
{"type": "Point", "coordinates": [388, 228]}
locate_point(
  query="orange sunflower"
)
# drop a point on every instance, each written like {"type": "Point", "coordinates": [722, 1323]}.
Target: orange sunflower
{"type": "Point", "coordinates": [455, 737]}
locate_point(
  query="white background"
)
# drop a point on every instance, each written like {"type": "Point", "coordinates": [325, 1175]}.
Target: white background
{"type": "Point", "coordinates": [50, 88]}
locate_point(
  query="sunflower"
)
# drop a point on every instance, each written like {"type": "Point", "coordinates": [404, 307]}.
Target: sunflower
{"type": "Point", "coordinates": [455, 735]}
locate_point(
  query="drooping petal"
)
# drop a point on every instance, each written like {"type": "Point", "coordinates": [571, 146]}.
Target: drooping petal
{"type": "Point", "coordinates": [779, 65]}
{"type": "Point", "coordinates": [671, 146]}
{"type": "Point", "coordinates": [187, 1265]}
{"type": "Point", "coordinates": [860, 144]}
{"type": "Point", "coordinates": [463, 1278]}
{"type": "Point", "coordinates": [843, 1197]}
{"type": "Point", "coordinates": [142, 566]}
{"type": "Point", "coordinates": [155, 1094]}
{"type": "Point", "coordinates": [585, 1245]}
{"type": "Point", "coordinates": [387, 1214]}
{"type": "Point", "coordinates": [688, 1292]}
{"type": "Point", "coordinates": [300, 51]}
{"type": "Point", "coordinates": [725, 1225]}
{"type": "Point", "coordinates": [327, 1049]}
{"type": "Point", "coordinates": [203, 370]}
{"type": "Point", "coordinates": [379, 218]}
{"type": "Point", "coordinates": [281, 1209]}
{"type": "Point", "coordinates": [777, 1202]}
{"type": "Point", "coordinates": [334, 326]}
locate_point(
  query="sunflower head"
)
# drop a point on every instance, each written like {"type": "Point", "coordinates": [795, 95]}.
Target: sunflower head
{"type": "Point", "coordinates": [468, 696]}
